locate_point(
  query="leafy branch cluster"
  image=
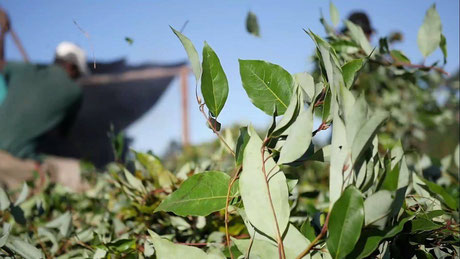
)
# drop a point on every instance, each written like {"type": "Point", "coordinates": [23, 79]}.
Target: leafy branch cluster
{"type": "Point", "coordinates": [280, 195]}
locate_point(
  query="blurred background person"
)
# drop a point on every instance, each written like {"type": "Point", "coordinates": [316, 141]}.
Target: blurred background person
{"type": "Point", "coordinates": [38, 98]}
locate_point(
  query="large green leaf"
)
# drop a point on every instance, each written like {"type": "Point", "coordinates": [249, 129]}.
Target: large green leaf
{"type": "Point", "coordinates": [267, 85]}
{"type": "Point", "coordinates": [63, 223]}
{"type": "Point", "coordinates": [299, 138]}
{"type": "Point", "coordinates": [214, 84]}
{"type": "Point", "coordinates": [252, 26]}
{"type": "Point", "coordinates": [199, 195]}
{"type": "Point", "coordinates": [346, 220]}
{"type": "Point", "coordinates": [350, 69]}
{"type": "Point", "coordinates": [254, 191]}
{"type": "Point", "coordinates": [167, 249]}
{"type": "Point", "coordinates": [429, 34]}
{"type": "Point", "coordinates": [191, 53]}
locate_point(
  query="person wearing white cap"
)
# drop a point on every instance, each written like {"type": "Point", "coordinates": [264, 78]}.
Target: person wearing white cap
{"type": "Point", "coordinates": [39, 98]}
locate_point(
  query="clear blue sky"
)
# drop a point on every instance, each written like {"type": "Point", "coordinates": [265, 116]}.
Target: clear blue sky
{"type": "Point", "coordinates": [41, 25]}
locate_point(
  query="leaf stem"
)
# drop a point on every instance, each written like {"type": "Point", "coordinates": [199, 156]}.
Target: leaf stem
{"type": "Point", "coordinates": [279, 240]}
{"type": "Point", "coordinates": [316, 240]}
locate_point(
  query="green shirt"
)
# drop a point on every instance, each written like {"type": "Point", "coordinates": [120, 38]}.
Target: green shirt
{"type": "Point", "coordinates": [39, 98]}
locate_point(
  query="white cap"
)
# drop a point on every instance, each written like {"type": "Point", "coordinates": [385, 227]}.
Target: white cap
{"type": "Point", "coordinates": [70, 52]}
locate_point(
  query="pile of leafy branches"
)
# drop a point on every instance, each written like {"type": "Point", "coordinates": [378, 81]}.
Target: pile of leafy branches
{"type": "Point", "coordinates": [276, 196]}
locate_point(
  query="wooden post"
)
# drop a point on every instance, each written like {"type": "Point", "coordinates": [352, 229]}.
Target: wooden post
{"type": "Point", "coordinates": [184, 95]}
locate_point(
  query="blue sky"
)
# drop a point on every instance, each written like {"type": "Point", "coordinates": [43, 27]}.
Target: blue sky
{"type": "Point", "coordinates": [41, 25]}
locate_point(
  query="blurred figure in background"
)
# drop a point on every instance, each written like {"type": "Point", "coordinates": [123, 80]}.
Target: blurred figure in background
{"type": "Point", "coordinates": [38, 99]}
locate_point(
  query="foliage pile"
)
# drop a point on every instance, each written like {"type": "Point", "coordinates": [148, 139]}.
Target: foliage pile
{"type": "Point", "coordinates": [278, 196]}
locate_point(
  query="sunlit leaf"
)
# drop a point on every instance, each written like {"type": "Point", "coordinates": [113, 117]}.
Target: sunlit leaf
{"type": "Point", "coordinates": [254, 192]}
{"type": "Point", "coordinates": [267, 85]}
{"type": "Point", "coordinates": [346, 220]}
{"type": "Point", "coordinates": [429, 34]}
{"type": "Point", "coordinates": [191, 53]}
{"type": "Point", "coordinates": [199, 195]}
{"type": "Point", "coordinates": [214, 85]}
{"type": "Point", "coordinates": [334, 13]}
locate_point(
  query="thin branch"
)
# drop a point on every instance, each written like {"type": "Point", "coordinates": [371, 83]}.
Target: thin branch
{"type": "Point", "coordinates": [282, 255]}
{"type": "Point", "coordinates": [317, 239]}
{"type": "Point", "coordinates": [405, 64]}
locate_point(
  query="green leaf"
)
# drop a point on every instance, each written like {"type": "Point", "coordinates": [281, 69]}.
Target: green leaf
{"type": "Point", "coordinates": [306, 83]}
{"type": "Point", "coordinates": [129, 40]}
{"type": "Point", "coordinates": [252, 26]}
{"type": "Point", "coordinates": [23, 248]}
{"type": "Point", "coordinates": [134, 182]}
{"type": "Point", "coordinates": [422, 224]}
{"type": "Point", "coordinates": [258, 249]}
{"type": "Point", "coordinates": [366, 134]}
{"type": "Point", "coordinates": [377, 208]}
{"type": "Point", "coordinates": [214, 84]}
{"type": "Point", "coordinates": [5, 233]}
{"type": "Point", "coordinates": [4, 200]}
{"type": "Point", "coordinates": [450, 201]}
{"type": "Point", "coordinates": [254, 193]}
{"type": "Point", "coordinates": [289, 116]}
{"type": "Point", "coordinates": [346, 220]}
{"type": "Point", "coordinates": [371, 238]}
{"type": "Point", "coordinates": [63, 223]}
{"type": "Point", "coordinates": [349, 71]}
{"type": "Point", "coordinates": [161, 176]}
{"type": "Point", "coordinates": [299, 138]}
{"type": "Point", "coordinates": [23, 195]}
{"type": "Point", "coordinates": [443, 46]}
{"type": "Point", "coordinates": [243, 140]}
{"type": "Point", "coordinates": [358, 36]}
{"type": "Point", "coordinates": [429, 34]}
{"type": "Point", "coordinates": [122, 245]}
{"type": "Point", "coordinates": [167, 249]}
{"type": "Point", "coordinates": [267, 85]}
{"type": "Point", "coordinates": [307, 230]}
{"type": "Point", "coordinates": [191, 53]}
{"type": "Point", "coordinates": [398, 56]}
{"type": "Point", "coordinates": [340, 151]}
{"type": "Point", "coordinates": [334, 13]}
{"type": "Point", "coordinates": [199, 195]}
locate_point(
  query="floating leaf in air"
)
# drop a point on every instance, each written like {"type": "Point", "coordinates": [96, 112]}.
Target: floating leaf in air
{"type": "Point", "coordinates": [429, 34]}
{"type": "Point", "coordinates": [129, 40]}
{"type": "Point", "coordinates": [267, 85]}
{"type": "Point", "coordinates": [199, 195]}
{"type": "Point", "coordinates": [214, 85]}
{"type": "Point", "coordinates": [252, 26]}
